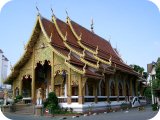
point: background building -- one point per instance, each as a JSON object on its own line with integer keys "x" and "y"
{"x": 3, "y": 69}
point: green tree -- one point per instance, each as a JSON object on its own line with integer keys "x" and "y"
{"x": 156, "y": 82}
{"x": 147, "y": 92}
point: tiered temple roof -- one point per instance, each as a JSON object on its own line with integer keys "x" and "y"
{"x": 83, "y": 51}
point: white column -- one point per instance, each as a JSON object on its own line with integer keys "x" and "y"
{"x": 65, "y": 90}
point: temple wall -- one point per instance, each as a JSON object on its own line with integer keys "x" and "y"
{"x": 42, "y": 50}
{"x": 75, "y": 77}
{"x": 27, "y": 68}
{"x": 59, "y": 63}
{"x": 41, "y": 54}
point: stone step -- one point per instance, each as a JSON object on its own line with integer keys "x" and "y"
{"x": 24, "y": 109}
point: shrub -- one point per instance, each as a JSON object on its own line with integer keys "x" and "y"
{"x": 124, "y": 106}
{"x": 155, "y": 107}
{"x": 18, "y": 98}
{"x": 51, "y": 103}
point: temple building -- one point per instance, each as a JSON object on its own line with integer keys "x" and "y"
{"x": 78, "y": 65}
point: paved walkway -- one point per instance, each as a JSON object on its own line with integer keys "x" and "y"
{"x": 131, "y": 114}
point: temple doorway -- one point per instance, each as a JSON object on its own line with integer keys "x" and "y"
{"x": 43, "y": 77}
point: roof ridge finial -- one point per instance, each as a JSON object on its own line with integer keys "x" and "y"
{"x": 109, "y": 39}
{"x": 53, "y": 12}
{"x": 92, "y": 27}
{"x": 24, "y": 46}
{"x": 11, "y": 67}
{"x": 67, "y": 13}
{"x": 37, "y": 9}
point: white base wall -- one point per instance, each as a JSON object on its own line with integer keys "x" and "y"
{"x": 81, "y": 108}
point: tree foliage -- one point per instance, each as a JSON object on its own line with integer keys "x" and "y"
{"x": 140, "y": 70}
{"x": 156, "y": 82}
{"x": 158, "y": 69}
{"x": 137, "y": 68}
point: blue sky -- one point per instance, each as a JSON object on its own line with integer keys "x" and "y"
{"x": 132, "y": 25}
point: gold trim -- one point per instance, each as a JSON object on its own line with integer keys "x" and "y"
{"x": 49, "y": 39}
{"x": 65, "y": 38}
{"x": 86, "y": 48}
{"x": 90, "y": 64}
{"x": 73, "y": 50}
{"x": 79, "y": 38}
{"x": 75, "y": 68}
{"x": 54, "y": 50}
{"x": 103, "y": 61}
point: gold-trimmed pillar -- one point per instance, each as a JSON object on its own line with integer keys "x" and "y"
{"x": 33, "y": 76}
{"x": 69, "y": 100}
{"x": 52, "y": 73}
{"x": 20, "y": 87}
{"x": 80, "y": 91}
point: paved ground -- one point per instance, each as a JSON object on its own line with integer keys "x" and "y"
{"x": 132, "y": 114}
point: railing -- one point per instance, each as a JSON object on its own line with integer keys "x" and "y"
{"x": 89, "y": 98}
{"x": 74, "y": 98}
{"x": 102, "y": 98}
{"x": 27, "y": 100}
{"x": 62, "y": 99}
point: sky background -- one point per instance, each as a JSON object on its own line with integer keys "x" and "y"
{"x": 131, "y": 25}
